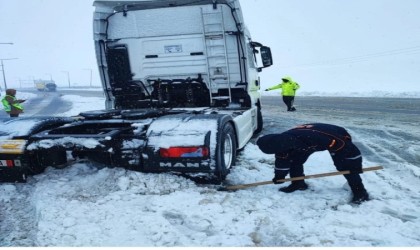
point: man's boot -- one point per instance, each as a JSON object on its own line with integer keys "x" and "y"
{"x": 296, "y": 185}
{"x": 359, "y": 195}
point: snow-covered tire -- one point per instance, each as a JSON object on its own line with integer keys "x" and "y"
{"x": 225, "y": 151}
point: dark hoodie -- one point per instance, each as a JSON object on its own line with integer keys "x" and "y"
{"x": 279, "y": 143}
{"x": 308, "y": 137}
{"x": 11, "y": 92}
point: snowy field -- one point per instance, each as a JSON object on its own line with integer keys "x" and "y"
{"x": 83, "y": 205}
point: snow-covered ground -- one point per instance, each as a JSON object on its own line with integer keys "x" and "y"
{"x": 83, "y": 205}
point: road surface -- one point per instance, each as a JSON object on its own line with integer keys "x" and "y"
{"x": 51, "y": 103}
{"x": 386, "y": 129}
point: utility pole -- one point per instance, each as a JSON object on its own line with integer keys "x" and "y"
{"x": 4, "y": 73}
{"x": 4, "y": 76}
{"x": 68, "y": 77}
{"x": 2, "y": 68}
{"x": 90, "y": 82}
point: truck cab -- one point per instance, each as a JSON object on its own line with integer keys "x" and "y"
{"x": 177, "y": 54}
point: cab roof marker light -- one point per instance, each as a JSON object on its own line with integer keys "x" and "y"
{"x": 12, "y": 146}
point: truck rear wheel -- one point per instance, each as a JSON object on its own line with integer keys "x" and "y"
{"x": 225, "y": 151}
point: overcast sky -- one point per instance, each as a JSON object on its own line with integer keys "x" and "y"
{"x": 325, "y": 45}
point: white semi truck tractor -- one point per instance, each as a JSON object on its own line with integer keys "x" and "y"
{"x": 181, "y": 84}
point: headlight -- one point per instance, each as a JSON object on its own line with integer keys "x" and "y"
{"x": 12, "y": 146}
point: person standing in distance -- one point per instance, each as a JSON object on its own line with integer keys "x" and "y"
{"x": 288, "y": 90}
{"x": 11, "y": 104}
{"x": 293, "y": 147}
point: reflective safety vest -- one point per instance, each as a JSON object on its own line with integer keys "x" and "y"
{"x": 287, "y": 88}
{"x": 8, "y": 106}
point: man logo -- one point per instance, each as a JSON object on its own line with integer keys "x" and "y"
{"x": 178, "y": 165}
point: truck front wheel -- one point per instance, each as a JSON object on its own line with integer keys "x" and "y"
{"x": 225, "y": 151}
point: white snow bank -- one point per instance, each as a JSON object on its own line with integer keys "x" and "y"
{"x": 87, "y": 206}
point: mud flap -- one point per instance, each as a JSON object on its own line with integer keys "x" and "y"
{"x": 48, "y": 158}
{"x": 12, "y": 175}
{"x": 11, "y": 170}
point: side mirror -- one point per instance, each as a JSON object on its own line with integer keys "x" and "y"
{"x": 266, "y": 57}
{"x": 265, "y": 52}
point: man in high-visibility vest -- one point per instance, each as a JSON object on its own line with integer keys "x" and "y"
{"x": 288, "y": 87}
{"x": 11, "y": 104}
{"x": 293, "y": 147}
